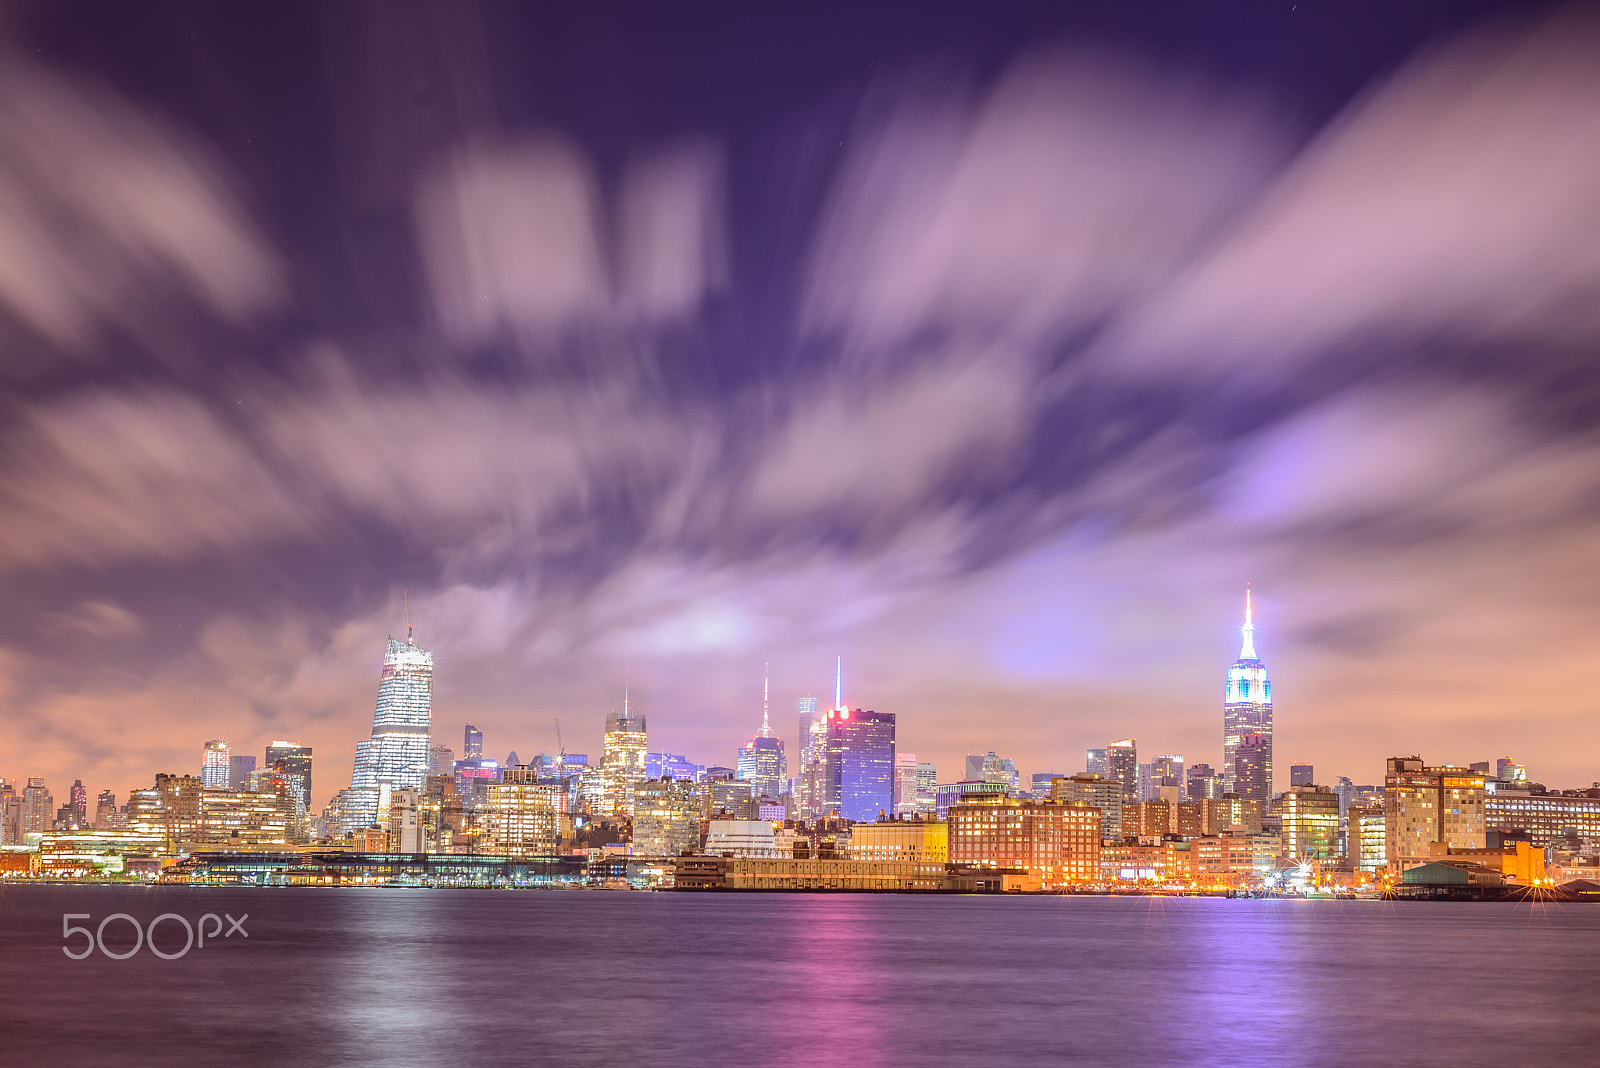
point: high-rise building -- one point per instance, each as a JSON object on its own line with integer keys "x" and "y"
{"x": 38, "y": 806}
{"x": 1252, "y": 767}
{"x": 1166, "y": 770}
{"x": 1122, "y": 759}
{"x": 214, "y": 766}
{"x": 622, "y": 764}
{"x": 762, "y": 760}
{"x": 292, "y": 758}
{"x": 1095, "y": 763}
{"x": 1310, "y": 821}
{"x": 992, "y": 769}
{"x": 808, "y": 757}
{"x": 396, "y": 756}
{"x": 1302, "y": 775}
{"x": 1089, "y": 788}
{"x": 666, "y": 817}
{"x": 1424, "y": 807}
{"x": 105, "y": 810}
{"x": 1247, "y": 709}
{"x": 1366, "y": 843}
{"x": 79, "y": 803}
{"x": 1508, "y": 770}
{"x": 472, "y": 744}
{"x": 927, "y": 787}
{"x": 905, "y": 784}
{"x": 523, "y": 816}
{"x": 441, "y": 760}
{"x": 1203, "y": 782}
{"x": 240, "y": 765}
{"x": 858, "y": 776}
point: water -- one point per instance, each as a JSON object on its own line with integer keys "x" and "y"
{"x": 431, "y": 977}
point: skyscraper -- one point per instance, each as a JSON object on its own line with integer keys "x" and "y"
{"x": 291, "y": 758}
{"x": 396, "y": 756}
{"x": 38, "y": 806}
{"x": 1247, "y": 708}
{"x": 240, "y": 765}
{"x": 79, "y": 803}
{"x": 905, "y": 784}
{"x": 472, "y": 744}
{"x": 762, "y": 761}
{"x": 1252, "y": 767}
{"x": 808, "y": 757}
{"x": 1302, "y": 775}
{"x": 858, "y": 779}
{"x": 1095, "y": 763}
{"x": 622, "y": 763}
{"x": 214, "y": 767}
{"x": 1122, "y": 760}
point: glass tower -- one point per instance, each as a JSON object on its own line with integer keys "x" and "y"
{"x": 214, "y": 768}
{"x": 1122, "y": 760}
{"x": 396, "y": 755}
{"x": 1247, "y": 709}
{"x": 858, "y": 773}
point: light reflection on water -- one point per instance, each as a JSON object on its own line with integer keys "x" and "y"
{"x": 402, "y": 977}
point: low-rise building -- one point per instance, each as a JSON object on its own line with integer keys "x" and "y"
{"x": 911, "y": 840}
{"x": 1057, "y": 843}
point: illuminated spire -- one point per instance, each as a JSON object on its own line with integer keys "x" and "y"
{"x": 838, "y": 683}
{"x": 1248, "y": 650}
{"x": 766, "y": 692}
{"x": 405, "y": 599}
{"x": 624, "y": 691}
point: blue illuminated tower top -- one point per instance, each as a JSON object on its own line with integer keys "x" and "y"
{"x": 1247, "y": 709}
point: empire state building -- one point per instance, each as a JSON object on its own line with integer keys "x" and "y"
{"x": 1247, "y": 716}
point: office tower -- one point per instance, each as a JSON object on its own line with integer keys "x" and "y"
{"x": 1302, "y": 775}
{"x": 1203, "y": 782}
{"x": 726, "y": 796}
{"x": 396, "y": 757}
{"x": 1056, "y": 844}
{"x": 240, "y": 765}
{"x": 105, "y": 810}
{"x": 1310, "y": 820}
{"x": 472, "y": 744}
{"x": 666, "y": 817}
{"x": 1096, "y": 791}
{"x": 523, "y": 816}
{"x": 762, "y": 761}
{"x": 79, "y": 803}
{"x": 1167, "y": 770}
{"x": 622, "y": 764}
{"x": 1122, "y": 759}
{"x": 441, "y": 760}
{"x": 1247, "y": 708}
{"x": 38, "y": 806}
{"x": 10, "y": 815}
{"x": 808, "y": 759}
{"x": 214, "y": 765}
{"x": 1095, "y": 763}
{"x": 1366, "y": 841}
{"x": 1425, "y": 807}
{"x": 858, "y": 777}
{"x": 927, "y": 787}
{"x": 1252, "y": 767}
{"x": 1508, "y": 770}
{"x": 292, "y": 758}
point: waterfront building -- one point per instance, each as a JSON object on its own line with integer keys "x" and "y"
{"x": 666, "y": 817}
{"x": 522, "y": 816}
{"x": 240, "y": 765}
{"x": 1088, "y": 788}
{"x": 1511, "y": 805}
{"x": 1302, "y": 775}
{"x": 214, "y": 764}
{"x": 1252, "y": 767}
{"x": 622, "y": 763}
{"x": 38, "y": 807}
{"x": 1247, "y": 710}
{"x": 405, "y": 829}
{"x": 1222, "y": 860}
{"x": 1122, "y": 762}
{"x": 1423, "y": 806}
{"x": 171, "y": 809}
{"x": 755, "y": 873}
{"x": 1057, "y": 844}
{"x": 1367, "y": 840}
{"x": 1309, "y": 817}
{"x": 858, "y": 772}
{"x": 240, "y": 819}
{"x": 740, "y": 838}
{"x": 1095, "y": 762}
{"x": 396, "y": 756}
{"x": 762, "y": 761}
{"x": 908, "y": 840}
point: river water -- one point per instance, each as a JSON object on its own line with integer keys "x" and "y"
{"x": 469, "y": 978}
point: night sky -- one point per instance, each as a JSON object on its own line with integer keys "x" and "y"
{"x": 993, "y": 350}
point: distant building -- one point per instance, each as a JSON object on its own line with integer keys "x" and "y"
{"x": 523, "y": 816}
{"x": 1090, "y": 789}
{"x": 724, "y": 795}
{"x": 1252, "y": 767}
{"x": 948, "y": 794}
{"x": 1096, "y": 763}
{"x": 812, "y": 748}
{"x": 1056, "y": 844}
{"x": 214, "y": 765}
{"x": 740, "y": 838}
{"x": 1302, "y": 775}
{"x": 671, "y": 765}
{"x": 1230, "y": 814}
{"x": 1247, "y": 710}
{"x": 927, "y": 787}
{"x": 396, "y": 756}
{"x": 1367, "y": 839}
{"x": 911, "y": 840}
{"x": 243, "y": 820}
{"x": 859, "y": 769}
{"x": 1508, "y": 770}
{"x": 622, "y": 764}
{"x": 1167, "y": 770}
{"x": 1423, "y": 806}
{"x": 441, "y": 760}
{"x": 666, "y": 817}
{"x": 906, "y": 795}
{"x": 762, "y": 761}
{"x": 105, "y": 811}
{"x": 292, "y": 758}
{"x": 471, "y": 743}
{"x": 38, "y": 807}
{"x": 1203, "y": 782}
{"x": 1122, "y": 760}
{"x": 240, "y": 765}
{"x": 991, "y": 768}
{"x": 1310, "y": 822}
{"x": 1039, "y": 783}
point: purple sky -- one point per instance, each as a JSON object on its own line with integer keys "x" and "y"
{"x": 993, "y": 352}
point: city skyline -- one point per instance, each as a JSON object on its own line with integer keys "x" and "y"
{"x": 1011, "y": 446}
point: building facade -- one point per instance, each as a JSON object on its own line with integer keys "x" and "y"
{"x": 911, "y": 840}
{"x": 1059, "y": 844}
{"x": 622, "y": 764}
{"x": 396, "y": 756}
{"x": 1097, "y": 792}
{"x": 858, "y": 771}
{"x": 1122, "y": 764}
{"x": 666, "y": 817}
{"x": 1309, "y": 817}
{"x": 1423, "y": 806}
{"x": 214, "y": 765}
{"x": 1247, "y": 710}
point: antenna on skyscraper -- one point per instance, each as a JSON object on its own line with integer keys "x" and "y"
{"x": 405, "y": 599}
{"x": 766, "y": 693}
{"x": 838, "y": 683}
{"x": 624, "y": 691}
